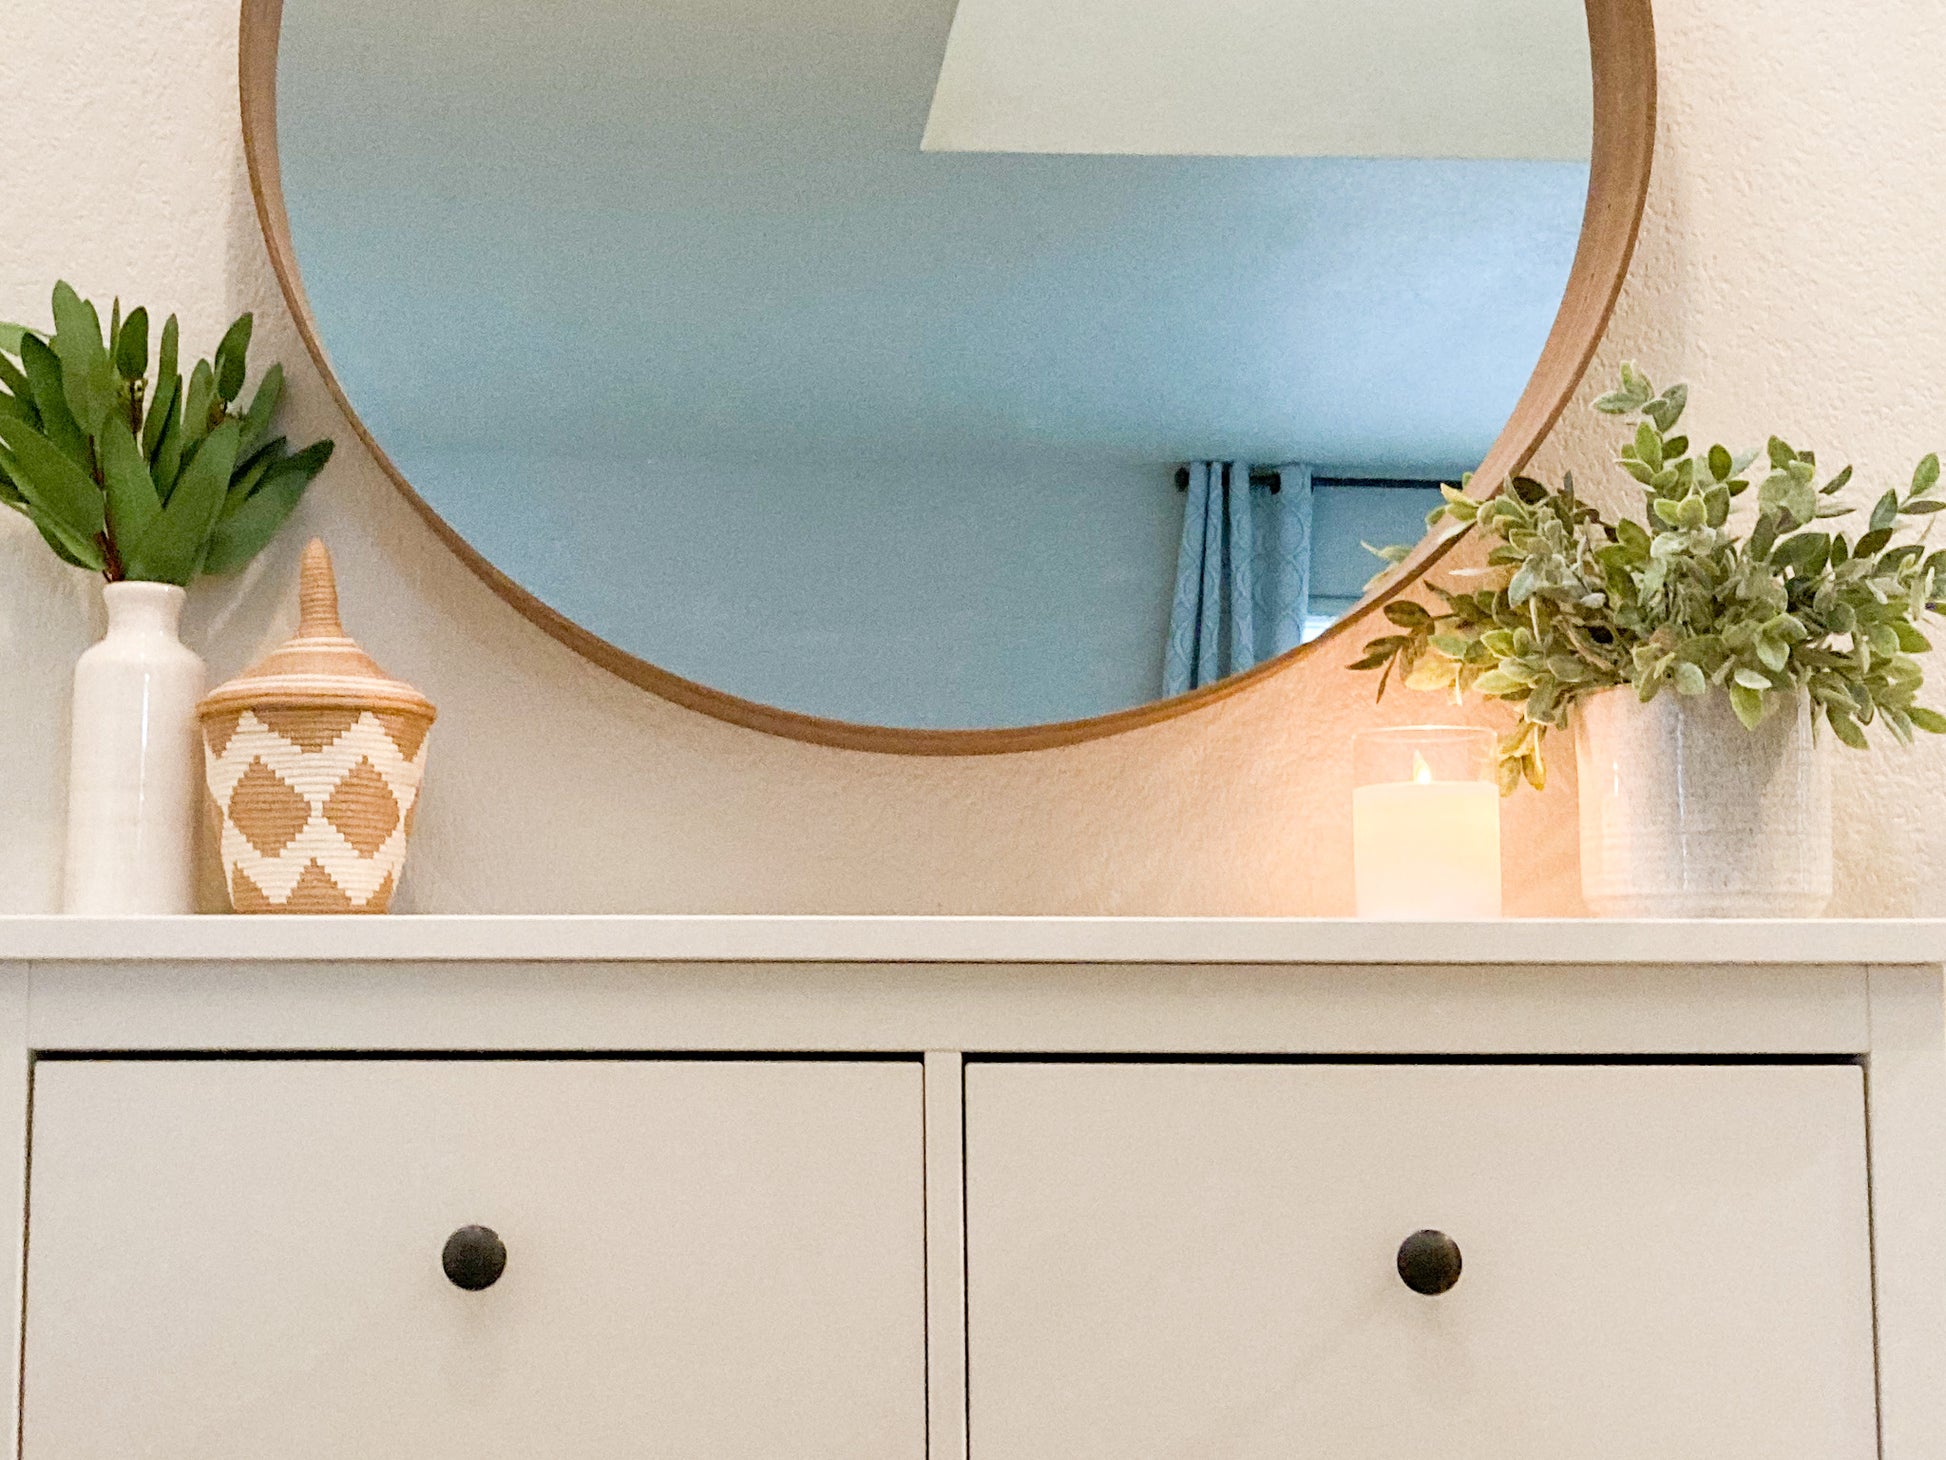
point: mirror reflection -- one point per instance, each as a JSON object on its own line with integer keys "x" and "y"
{"x": 934, "y": 366}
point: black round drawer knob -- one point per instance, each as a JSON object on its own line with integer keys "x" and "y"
{"x": 474, "y": 1258}
{"x": 1429, "y": 1262}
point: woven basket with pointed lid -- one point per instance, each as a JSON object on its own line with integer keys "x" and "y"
{"x": 314, "y": 757}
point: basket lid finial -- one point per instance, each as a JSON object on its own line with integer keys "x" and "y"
{"x": 317, "y": 595}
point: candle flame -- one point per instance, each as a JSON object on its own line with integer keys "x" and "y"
{"x": 1421, "y": 772}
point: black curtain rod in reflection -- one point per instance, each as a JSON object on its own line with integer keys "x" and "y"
{"x": 1269, "y": 476}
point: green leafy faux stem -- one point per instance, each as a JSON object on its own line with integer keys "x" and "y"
{"x": 129, "y": 469}
{"x": 1570, "y": 604}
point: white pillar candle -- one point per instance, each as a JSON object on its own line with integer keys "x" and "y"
{"x": 1426, "y": 848}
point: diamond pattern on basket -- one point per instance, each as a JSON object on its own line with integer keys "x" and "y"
{"x": 315, "y": 806}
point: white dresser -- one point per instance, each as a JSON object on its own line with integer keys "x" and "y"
{"x": 855, "y": 1189}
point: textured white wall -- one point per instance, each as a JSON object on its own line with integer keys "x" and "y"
{"x": 1793, "y": 267}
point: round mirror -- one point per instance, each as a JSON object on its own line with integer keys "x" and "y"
{"x": 935, "y": 376}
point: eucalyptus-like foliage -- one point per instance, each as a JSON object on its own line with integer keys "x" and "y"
{"x": 1571, "y": 604}
{"x": 129, "y": 468}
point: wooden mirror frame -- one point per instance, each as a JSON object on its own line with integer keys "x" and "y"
{"x": 1621, "y": 36}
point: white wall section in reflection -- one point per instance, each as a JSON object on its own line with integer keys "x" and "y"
{"x": 1267, "y": 78}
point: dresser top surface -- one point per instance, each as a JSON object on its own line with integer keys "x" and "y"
{"x": 748, "y": 939}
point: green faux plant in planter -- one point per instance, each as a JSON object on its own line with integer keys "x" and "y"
{"x": 1572, "y": 604}
{"x": 127, "y": 467}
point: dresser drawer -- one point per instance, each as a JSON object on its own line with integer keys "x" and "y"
{"x": 1202, "y": 1260}
{"x": 703, "y": 1259}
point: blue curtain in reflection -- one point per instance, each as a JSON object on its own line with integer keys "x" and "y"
{"x": 1243, "y": 573}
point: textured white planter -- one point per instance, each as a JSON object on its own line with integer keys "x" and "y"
{"x": 1684, "y": 813}
{"x": 135, "y": 780}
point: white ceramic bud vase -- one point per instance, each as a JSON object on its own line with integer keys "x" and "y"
{"x": 135, "y": 776}
{"x": 1686, "y": 814}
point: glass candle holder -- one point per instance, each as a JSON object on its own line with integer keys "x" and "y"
{"x": 1425, "y": 823}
